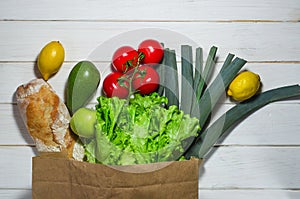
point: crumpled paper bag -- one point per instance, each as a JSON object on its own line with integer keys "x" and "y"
{"x": 58, "y": 177}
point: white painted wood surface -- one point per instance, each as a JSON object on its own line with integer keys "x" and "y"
{"x": 259, "y": 158}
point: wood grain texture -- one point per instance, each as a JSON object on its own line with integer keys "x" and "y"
{"x": 259, "y": 158}
{"x": 207, "y": 194}
{"x": 251, "y": 41}
{"x": 15, "y": 193}
{"x": 272, "y": 75}
{"x": 252, "y": 167}
{"x": 249, "y": 194}
{"x": 154, "y": 10}
{"x": 239, "y": 167}
{"x": 275, "y": 124}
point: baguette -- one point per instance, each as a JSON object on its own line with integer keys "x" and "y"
{"x": 47, "y": 119}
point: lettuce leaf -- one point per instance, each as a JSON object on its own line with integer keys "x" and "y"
{"x": 140, "y": 130}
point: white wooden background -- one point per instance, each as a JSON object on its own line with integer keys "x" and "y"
{"x": 258, "y": 159}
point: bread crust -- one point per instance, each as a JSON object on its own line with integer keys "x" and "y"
{"x": 47, "y": 119}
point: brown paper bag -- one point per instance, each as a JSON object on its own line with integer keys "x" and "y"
{"x": 57, "y": 177}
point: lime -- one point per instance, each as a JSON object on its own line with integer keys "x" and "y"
{"x": 83, "y": 122}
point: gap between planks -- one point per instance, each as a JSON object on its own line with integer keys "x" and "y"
{"x": 259, "y": 145}
{"x": 158, "y": 21}
{"x": 248, "y": 189}
{"x": 215, "y": 146}
{"x": 178, "y": 62}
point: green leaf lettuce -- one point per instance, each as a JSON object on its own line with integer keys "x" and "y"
{"x": 140, "y": 130}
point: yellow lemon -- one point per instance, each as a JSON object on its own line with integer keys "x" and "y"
{"x": 50, "y": 59}
{"x": 244, "y": 86}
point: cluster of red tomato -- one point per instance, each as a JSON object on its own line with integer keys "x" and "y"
{"x": 133, "y": 70}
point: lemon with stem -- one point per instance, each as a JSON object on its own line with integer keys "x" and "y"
{"x": 50, "y": 59}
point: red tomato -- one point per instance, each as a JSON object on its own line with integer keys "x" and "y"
{"x": 115, "y": 84}
{"x": 152, "y": 50}
{"x": 125, "y": 58}
{"x": 146, "y": 80}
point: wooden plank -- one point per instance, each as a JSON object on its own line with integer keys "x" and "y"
{"x": 15, "y": 193}
{"x": 15, "y": 132}
{"x": 154, "y": 10}
{"x": 272, "y": 120}
{"x": 23, "y": 73}
{"x": 226, "y": 168}
{"x": 272, "y": 75}
{"x": 252, "y": 167}
{"x": 16, "y": 167}
{"x": 249, "y": 194}
{"x": 260, "y": 156}
{"x": 207, "y": 194}
{"x": 275, "y": 124}
{"x": 251, "y": 41}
